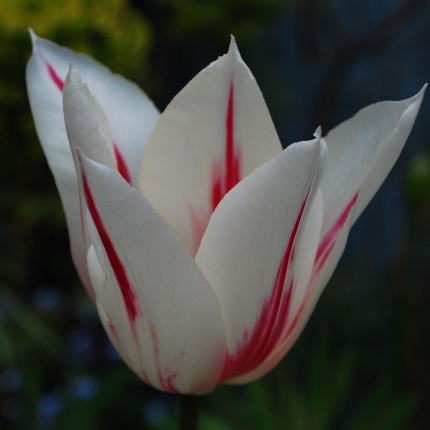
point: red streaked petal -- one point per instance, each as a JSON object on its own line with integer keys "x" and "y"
{"x": 308, "y": 288}
{"x": 130, "y": 114}
{"x": 177, "y": 342}
{"x": 247, "y": 252}
{"x": 362, "y": 151}
{"x": 216, "y": 131}
{"x": 271, "y": 321}
{"x": 127, "y": 290}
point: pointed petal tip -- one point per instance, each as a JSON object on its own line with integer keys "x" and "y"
{"x": 74, "y": 74}
{"x": 320, "y": 146}
{"x": 233, "y": 48}
{"x": 33, "y": 36}
{"x": 415, "y": 101}
{"x": 422, "y": 91}
{"x": 319, "y": 142}
{"x": 418, "y": 97}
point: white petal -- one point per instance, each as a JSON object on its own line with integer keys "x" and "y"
{"x": 131, "y": 115}
{"x": 47, "y": 108}
{"x": 362, "y": 152}
{"x": 86, "y": 124}
{"x": 161, "y": 312}
{"x": 249, "y": 251}
{"x": 216, "y": 131}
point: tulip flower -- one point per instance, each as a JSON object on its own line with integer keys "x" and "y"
{"x": 204, "y": 245}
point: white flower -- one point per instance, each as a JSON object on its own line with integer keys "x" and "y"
{"x": 204, "y": 245}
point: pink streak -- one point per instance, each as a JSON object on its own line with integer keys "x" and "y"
{"x": 329, "y": 240}
{"x": 121, "y": 164}
{"x": 324, "y": 250}
{"x": 59, "y": 83}
{"x": 224, "y": 179}
{"x": 120, "y": 160}
{"x": 225, "y": 175}
{"x": 255, "y": 348}
{"x": 128, "y": 294}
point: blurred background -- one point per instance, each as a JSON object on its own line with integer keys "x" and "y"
{"x": 363, "y": 360}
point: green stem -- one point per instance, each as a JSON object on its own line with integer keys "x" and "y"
{"x": 189, "y": 412}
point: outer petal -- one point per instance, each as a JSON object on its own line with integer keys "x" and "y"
{"x": 362, "y": 151}
{"x": 154, "y": 301}
{"x": 216, "y": 131}
{"x": 130, "y": 114}
{"x": 249, "y": 251}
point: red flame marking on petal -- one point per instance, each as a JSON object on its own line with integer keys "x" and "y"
{"x": 121, "y": 164}
{"x": 329, "y": 240}
{"x": 223, "y": 180}
{"x": 128, "y": 294}
{"x": 225, "y": 175}
{"x": 324, "y": 250}
{"x": 59, "y": 83}
{"x": 255, "y": 348}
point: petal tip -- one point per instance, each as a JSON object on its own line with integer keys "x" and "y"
{"x": 418, "y": 97}
{"x": 423, "y": 90}
{"x": 34, "y": 37}
{"x": 73, "y": 74}
{"x": 233, "y": 49}
{"x": 232, "y": 42}
{"x": 416, "y": 100}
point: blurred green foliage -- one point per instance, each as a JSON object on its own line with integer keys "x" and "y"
{"x": 362, "y": 362}
{"x": 418, "y": 180}
{"x": 109, "y": 29}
